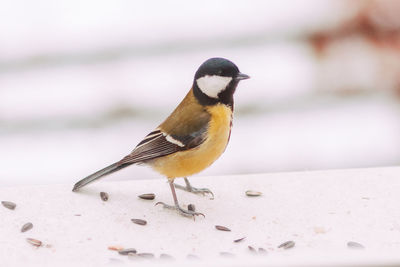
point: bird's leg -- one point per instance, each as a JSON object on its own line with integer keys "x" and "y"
{"x": 194, "y": 190}
{"x": 187, "y": 213}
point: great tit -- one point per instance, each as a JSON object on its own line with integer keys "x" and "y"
{"x": 193, "y": 136}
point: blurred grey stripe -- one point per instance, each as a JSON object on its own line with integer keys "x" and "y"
{"x": 124, "y": 52}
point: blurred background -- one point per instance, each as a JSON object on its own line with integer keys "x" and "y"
{"x": 81, "y": 82}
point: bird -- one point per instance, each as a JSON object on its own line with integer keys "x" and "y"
{"x": 192, "y": 137}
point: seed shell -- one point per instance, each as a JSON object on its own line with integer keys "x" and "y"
{"x": 127, "y": 251}
{"x": 239, "y": 240}
{"x": 165, "y": 256}
{"x": 146, "y": 255}
{"x": 251, "y": 193}
{"x": 287, "y": 245}
{"x": 149, "y": 196}
{"x": 26, "y": 227}
{"x": 34, "y": 242}
{"x": 252, "y": 249}
{"x": 104, "y": 196}
{"x": 116, "y": 248}
{"x": 191, "y": 207}
{"x": 139, "y": 221}
{"x": 9, "y": 205}
{"x": 222, "y": 228}
{"x": 354, "y": 245}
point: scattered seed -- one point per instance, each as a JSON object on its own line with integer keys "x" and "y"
{"x": 127, "y": 251}
{"x": 146, "y": 255}
{"x": 226, "y": 254}
{"x": 262, "y": 251}
{"x": 34, "y": 242}
{"x": 287, "y": 245}
{"x": 222, "y": 228}
{"x": 139, "y": 221}
{"x": 26, "y": 227}
{"x": 9, "y": 205}
{"x": 104, "y": 196}
{"x": 164, "y": 256}
{"x": 354, "y": 245}
{"x": 239, "y": 240}
{"x": 191, "y": 207}
{"x": 116, "y": 248}
{"x": 252, "y": 249}
{"x": 149, "y": 196}
{"x": 251, "y": 193}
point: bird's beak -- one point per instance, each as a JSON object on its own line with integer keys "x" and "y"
{"x": 242, "y": 76}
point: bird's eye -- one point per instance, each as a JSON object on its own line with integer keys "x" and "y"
{"x": 219, "y": 72}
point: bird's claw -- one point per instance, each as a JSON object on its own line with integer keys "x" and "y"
{"x": 202, "y": 191}
{"x": 183, "y": 212}
{"x": 195, "y": 190}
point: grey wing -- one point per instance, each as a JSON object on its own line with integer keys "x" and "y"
{"x": 157, "y": 144}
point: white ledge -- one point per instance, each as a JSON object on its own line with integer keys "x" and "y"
{"x": 320, "y": 211}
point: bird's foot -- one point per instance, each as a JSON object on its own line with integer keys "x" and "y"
{"x": 194, "y": 190}
{"x": 181, "y": 211}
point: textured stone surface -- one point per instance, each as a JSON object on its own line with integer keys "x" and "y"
{"x": 321, "y": 211}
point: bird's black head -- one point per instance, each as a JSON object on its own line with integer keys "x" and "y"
{"x": 216, "y": 80}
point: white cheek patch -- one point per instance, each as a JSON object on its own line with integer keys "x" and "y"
{"x": 213, "y": 85}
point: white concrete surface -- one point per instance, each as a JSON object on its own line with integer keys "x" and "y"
{"x": 321, "y": 211}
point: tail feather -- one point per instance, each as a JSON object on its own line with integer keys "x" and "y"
{"x": 97, "y": 175}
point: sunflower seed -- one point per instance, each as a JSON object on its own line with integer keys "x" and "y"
{"x": 222, "y": 228}
{"x": 287, "y": 245}
{"x": 104, "y": 196}
{"x": 253, "y": 250}
{"x": 146, "y": 255}
{"x": 26, "y": 227}
{"x": 127, "y": 251}
{"x": 251, "y": 193}
{"x": 34, "y": 242}
{"x": 149, "y": 196}
{"x": 354, "y": 245}
{"x": 139, "y": 221}
{"x": 191, "y": 207}
{"x": 9, "y": 205}
{"x": 239, "y": 240}
{"x": 166, "y": 257}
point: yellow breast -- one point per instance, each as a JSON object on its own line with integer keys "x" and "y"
{"x": 186, "y": 163}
